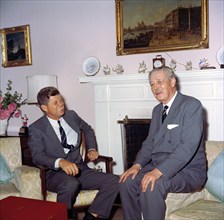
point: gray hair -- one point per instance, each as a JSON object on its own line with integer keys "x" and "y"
{"x": 169, "y": 72}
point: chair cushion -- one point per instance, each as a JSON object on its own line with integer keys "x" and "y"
{"x": 8, "y": 189}
{"x": 202, "y": 209}
{"x": 176, "y": 201}
{"x": 85, "y": 197}
{"x": 215, "y": 183}
{"x": 5, "y": 173}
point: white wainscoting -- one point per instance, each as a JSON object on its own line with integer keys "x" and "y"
{"x": 130, "y": 94}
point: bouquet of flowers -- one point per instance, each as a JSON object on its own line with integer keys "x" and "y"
{"x": 10, "y": 103}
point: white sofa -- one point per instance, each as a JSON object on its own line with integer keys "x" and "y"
{"x": 199, "y": 205}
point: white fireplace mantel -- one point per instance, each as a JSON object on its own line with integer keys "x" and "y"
{"x": 129, "y": 94}
{"x": 216, "y": 74}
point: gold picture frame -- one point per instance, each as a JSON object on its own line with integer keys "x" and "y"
{"x": 160, "y": 26}
{"x": 16, "y": 47}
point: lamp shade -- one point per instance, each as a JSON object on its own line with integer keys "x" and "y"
{"x": 36, "y": 82}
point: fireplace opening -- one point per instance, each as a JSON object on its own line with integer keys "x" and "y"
{"x": 133, "y": 133}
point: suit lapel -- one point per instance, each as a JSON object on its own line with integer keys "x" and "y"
{"x": 54, "y": 139}
{"x": 175, "y": 107}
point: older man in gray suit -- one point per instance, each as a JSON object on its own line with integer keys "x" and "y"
{"x": 172, "y": 158}
{"x": 55, "y": 143}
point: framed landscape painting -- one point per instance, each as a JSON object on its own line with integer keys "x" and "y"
{"x": 16, "y": 48}
{"x": 147, "y": 26}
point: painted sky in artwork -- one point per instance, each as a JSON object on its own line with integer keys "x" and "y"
{"x": 18, "y": 39}
{"x": 151, "y": 11}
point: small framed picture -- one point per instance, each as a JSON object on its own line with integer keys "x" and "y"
{"x": 16, "y": 47}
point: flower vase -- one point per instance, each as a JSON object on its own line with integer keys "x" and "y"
{"x": 3, "y": 126}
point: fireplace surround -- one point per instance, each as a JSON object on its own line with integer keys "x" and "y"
{"x": 133, "y": 133}
{"x": 129, "y": 94}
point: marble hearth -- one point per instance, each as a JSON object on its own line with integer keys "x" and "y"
{"x": 129, "y": 94}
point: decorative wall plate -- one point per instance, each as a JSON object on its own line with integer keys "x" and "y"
{"x": 220, "y": 56}
{"x": 91, "y": 66}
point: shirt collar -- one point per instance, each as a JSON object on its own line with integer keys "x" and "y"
{"x": 170, "y": 102}
{"x": 54, "y": 122}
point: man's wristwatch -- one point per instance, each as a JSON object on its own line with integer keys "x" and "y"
{"x": 140, "y": 167}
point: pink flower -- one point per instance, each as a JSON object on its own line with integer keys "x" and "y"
{"x": 17, "y": 113}
{"x": 4, "y": 114}
{"x": 10, "y": 103}
{"x": 12, "y": 107}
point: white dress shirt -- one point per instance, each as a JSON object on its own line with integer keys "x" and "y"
{"x": 71, "y": 135}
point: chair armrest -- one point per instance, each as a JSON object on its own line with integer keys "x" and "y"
{"x": 43, "y": 171}
{"x": 28, "y": 181}
{"x": 105, "y": 159}
{"x": 108, "y": 162}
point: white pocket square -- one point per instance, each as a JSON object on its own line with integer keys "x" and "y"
{"x": 171, "y": 126}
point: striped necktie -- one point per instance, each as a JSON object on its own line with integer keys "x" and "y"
{"x": 164, "y": 113}
{"x": 63, "y": 137}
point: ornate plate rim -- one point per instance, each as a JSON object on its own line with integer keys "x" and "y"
{"x": 87, "y": 62}
{"x": 220, "y": 53}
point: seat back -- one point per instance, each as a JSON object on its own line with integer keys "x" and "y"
{"x": 83, "y": 147}
{"x": 11, "y": 150}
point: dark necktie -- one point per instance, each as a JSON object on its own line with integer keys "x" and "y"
{"x": 164, "y": 113}
{"x": 63, "y": 137}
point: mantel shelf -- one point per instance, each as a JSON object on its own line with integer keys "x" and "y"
{"x": 214, "y": 74}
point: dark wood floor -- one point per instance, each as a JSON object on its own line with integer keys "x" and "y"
{"x": 116, "y": 214}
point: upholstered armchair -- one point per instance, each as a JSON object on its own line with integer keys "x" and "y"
{"x": 17, "y": 179}
{"x": 85, "y": 197}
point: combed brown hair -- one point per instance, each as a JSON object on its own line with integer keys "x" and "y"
{"x": 44, "y": 95}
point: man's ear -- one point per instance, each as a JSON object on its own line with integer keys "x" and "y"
{"x": 173, "y": 82}
{"x": 43, "y": 108}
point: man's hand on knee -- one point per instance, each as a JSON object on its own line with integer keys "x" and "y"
{"x": 69, "y": 167}
{"x": 150, "y": 177}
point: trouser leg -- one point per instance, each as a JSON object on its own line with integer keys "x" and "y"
{"x": 67, "y": 187}
{"x": 135, "y": 202}
{"x": 107, "y": 184}
{"x": 129, "y": 193}
{"x": 153, "y": 202}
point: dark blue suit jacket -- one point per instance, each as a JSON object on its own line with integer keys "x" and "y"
{"x": 46, "y": 147}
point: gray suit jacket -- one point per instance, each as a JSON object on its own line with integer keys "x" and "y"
{"x": 177, "y": 145}
{"x": 46, "y": 147}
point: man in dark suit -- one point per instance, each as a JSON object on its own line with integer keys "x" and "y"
{"x": 59, "y": 150}
{"x": 172, "y": 158}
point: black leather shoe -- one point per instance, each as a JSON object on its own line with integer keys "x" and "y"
{"x": 89, "y": 216}
{"x": 71, "y": 215}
